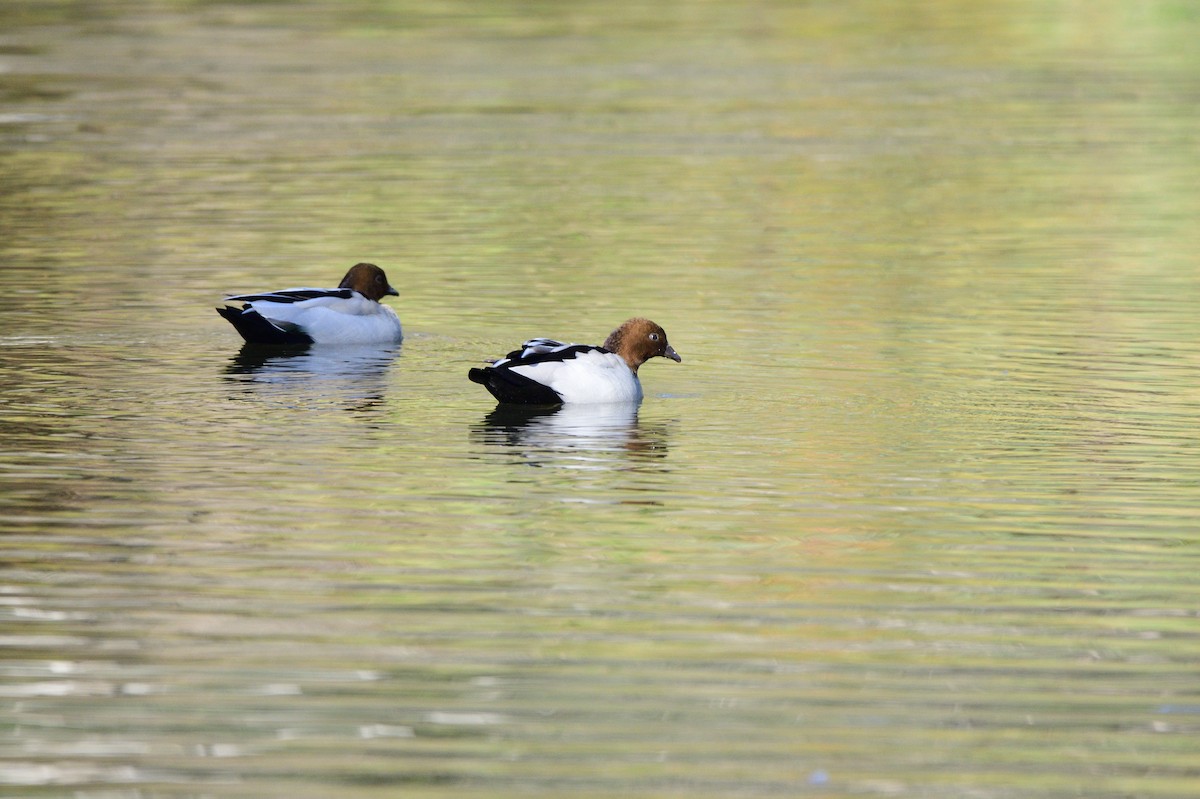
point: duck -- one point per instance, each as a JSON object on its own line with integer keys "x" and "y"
{"x": 349, "y": 314}
{"x": 545, "y": 371}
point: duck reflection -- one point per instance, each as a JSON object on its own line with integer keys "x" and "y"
{"x": 578, "y": 436}
{"x": 353, "y": 376}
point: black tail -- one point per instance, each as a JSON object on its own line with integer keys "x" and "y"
{"x": 513, "y": 389}
{"x": 257, "y": 330}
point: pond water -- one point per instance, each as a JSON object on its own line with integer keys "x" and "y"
{"x": 916, "y": 515}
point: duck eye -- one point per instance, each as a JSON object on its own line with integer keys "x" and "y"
{"x": 654, "y": 337}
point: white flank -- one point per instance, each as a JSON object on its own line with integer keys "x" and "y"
{"x": 591, "y": 377}
{"x": 333, "y": 320}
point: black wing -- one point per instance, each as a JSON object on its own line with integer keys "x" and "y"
{"x": 514, "y": 389}
{"x": 257, "y": 330}
{"x": 293, "y": 295}
{"x": 564, "y": 352}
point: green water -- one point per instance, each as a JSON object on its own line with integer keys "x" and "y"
{"x": 916, "y": 516}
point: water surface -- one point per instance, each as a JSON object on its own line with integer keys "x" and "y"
{"x": 916, "y": 515}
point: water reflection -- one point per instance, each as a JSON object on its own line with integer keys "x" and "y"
{"x": 352, "y": 377}
{"x": 589, "y": 437}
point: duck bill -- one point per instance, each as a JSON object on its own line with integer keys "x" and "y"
{"x": 672, "y": 354}
{"x": 392, "y": 292}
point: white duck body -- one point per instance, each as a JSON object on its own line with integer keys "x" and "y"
{"x": 577, "y": 372}
{"x": 349, "y": 314}
{"x": 330, "y": 316}
{"x": 549, "y": 372}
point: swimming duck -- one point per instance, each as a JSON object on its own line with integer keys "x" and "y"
{"x": 349, "y": 314}
{"x": 549, "y": 372}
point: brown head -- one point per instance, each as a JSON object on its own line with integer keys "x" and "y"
{"x": 369, "y": 281}
{"x": 639, "y": 340}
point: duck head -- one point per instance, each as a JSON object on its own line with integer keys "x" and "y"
{"x": 638, "y": 340}
{"x": 369, "y": 281}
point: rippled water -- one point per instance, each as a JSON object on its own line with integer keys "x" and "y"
{"x": 916, "y": 516}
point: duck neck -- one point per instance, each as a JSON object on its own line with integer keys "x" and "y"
{"x": 615, "y": 343}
